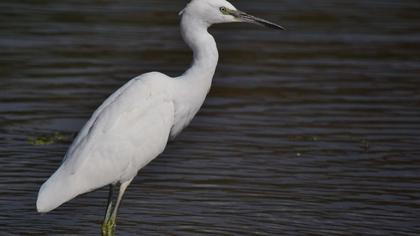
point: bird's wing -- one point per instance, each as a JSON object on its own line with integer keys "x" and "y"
{"x": 129, "y": 130}
{"x": 113, "y": 97}
{"x": 124, "y": 124}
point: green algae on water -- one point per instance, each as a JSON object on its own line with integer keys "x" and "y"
{"x": 47, "y": 139}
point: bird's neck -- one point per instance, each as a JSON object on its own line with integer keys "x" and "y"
{"x": 192, "y": 87}
{"x": 205, "y": 54}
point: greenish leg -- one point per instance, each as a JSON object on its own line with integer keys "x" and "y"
{"x": 105, "y": 225}
{"x": 108, "y": 226}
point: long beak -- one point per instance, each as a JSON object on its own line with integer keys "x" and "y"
{"x": 244, "y": 17}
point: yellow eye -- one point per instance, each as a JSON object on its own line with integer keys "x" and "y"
{"x": 223, "y": 10}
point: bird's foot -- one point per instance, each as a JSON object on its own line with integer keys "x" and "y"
{"x": 108, "y": 228}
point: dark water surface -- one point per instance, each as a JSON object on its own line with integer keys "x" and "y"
{"x": 313, "y": 131}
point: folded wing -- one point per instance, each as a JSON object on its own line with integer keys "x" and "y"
{"x": 125, "y": 133}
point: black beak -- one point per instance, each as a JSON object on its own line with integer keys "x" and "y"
{"x": 244, "y": 17}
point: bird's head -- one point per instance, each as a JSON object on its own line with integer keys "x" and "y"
{"x": 220, "y": 11}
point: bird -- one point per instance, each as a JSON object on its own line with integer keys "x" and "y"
{"x": 134, "y": 124}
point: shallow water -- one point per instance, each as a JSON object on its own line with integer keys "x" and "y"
{"x": 313, "y": 131}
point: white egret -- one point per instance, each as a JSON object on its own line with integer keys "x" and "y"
{"x": 133, "y": 125}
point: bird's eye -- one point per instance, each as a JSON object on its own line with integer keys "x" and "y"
{"x": 223, "y": 10}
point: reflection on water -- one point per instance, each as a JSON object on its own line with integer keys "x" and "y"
{"x": 313, "y": 131}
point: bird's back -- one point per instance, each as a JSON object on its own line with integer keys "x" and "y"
{"x": 125, "y": 133}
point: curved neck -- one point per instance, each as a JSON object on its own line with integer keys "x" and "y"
{"x": 205, "y": 54}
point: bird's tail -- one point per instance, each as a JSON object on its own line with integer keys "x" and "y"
{"x": 68, "y": 182}
{"x": 54, "y": 192}
{"x": 61, "y": 187}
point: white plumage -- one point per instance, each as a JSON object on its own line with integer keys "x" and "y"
{"x": 120, "y": 138}
{"x": 133, "y": 125}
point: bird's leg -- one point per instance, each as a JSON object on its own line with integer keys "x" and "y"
{"x": 123, "y": 187}
{"x": 108, "y": 228}
{"x": 108, "y": 210}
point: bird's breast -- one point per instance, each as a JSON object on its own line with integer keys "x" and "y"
{"x": 191, "y": 91}
{"x": 185, "y": 110}
{"x": 183, "y": 116}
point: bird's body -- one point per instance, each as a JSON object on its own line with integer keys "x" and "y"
{"x": 133, "y": 125}
{"x": 112, "y": 146}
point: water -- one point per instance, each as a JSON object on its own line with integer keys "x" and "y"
{"x": 313, "y": 131}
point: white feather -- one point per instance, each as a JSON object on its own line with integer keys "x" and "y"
{"x": 125, "y": 133}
